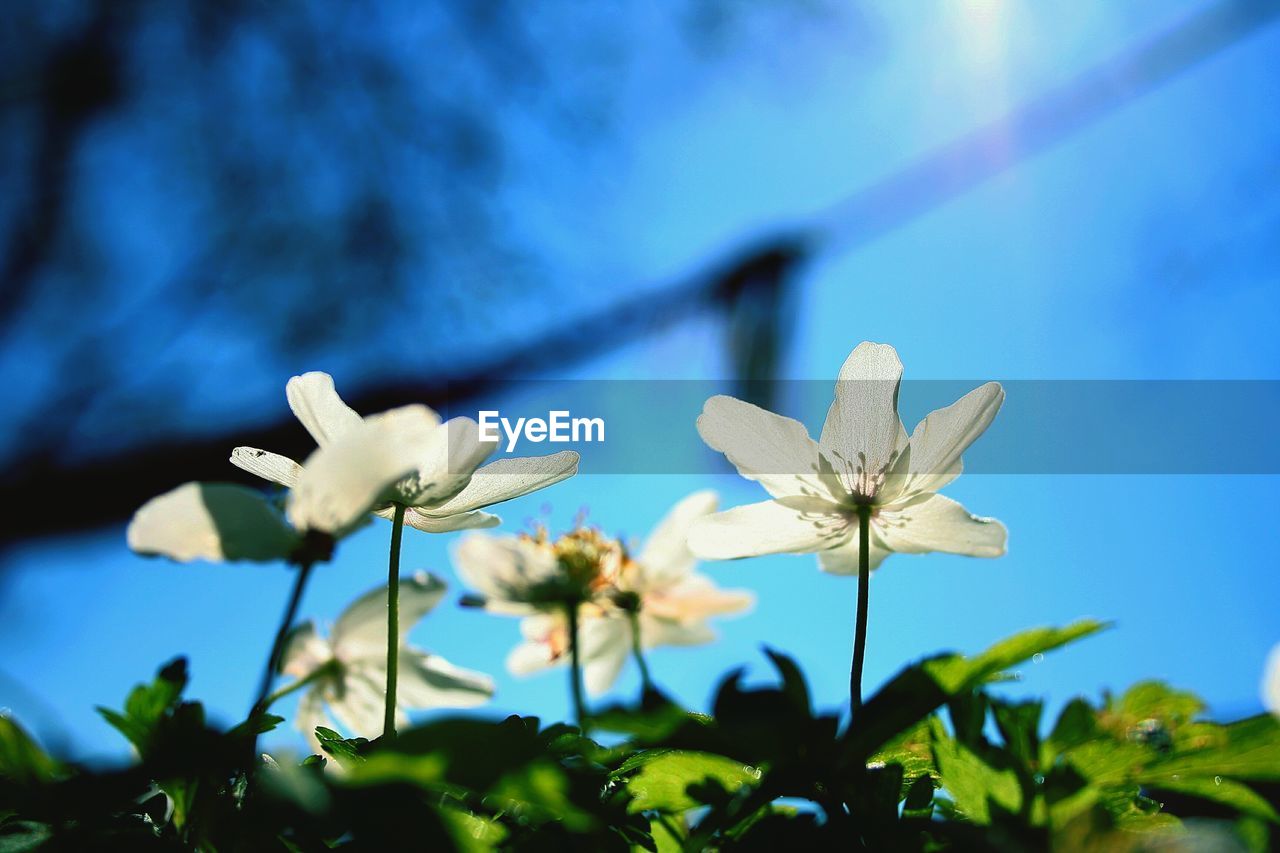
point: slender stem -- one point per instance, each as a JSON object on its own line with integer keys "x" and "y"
{"x": 860, "y": 627}
{"x": 294, "y": 686}
{"x": 646, "y": 683}
{"x": 393, "y": 621}
{"x": 282, "y": 634}
{"x": 575, "y": 666}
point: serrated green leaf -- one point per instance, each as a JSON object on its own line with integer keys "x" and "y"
{"x": 148, "y": 704}
{"x": 955, "y": 674}
{"x": 659, "y": 779}
{"x": 345, "y": 751}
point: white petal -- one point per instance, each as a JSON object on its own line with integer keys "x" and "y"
{"x": 665, "y": 557}
{"x": 474, "y": 520}
{"x": 1271, "y": 682}
{"x": 843, "y": 559}
{"x": 310, "y": 714}
{"x": 941, "y": 438}
{"x": 211, "y": 521}
{"x": 605, "y": 643}
{"x": 794, "y": 525}
{"x": 462, "y": 521}
{"x": 342, "y": 481}
{"x": 695, "y": 598}
{"x": 359, "y": 702}
{"x": 530, "y": 657}
{"x": 430, "y": 681}
{"x": 663, "y": 632}
{"x": 940, "y": 524}
{"x": 304, "y": 651}
{"x": 545, "y": 643}
{"x": 775, "y": 451}
{"x": 316, "y": 404}
{"x": 269, "y": 466}
{"x": 862, "y": 431}
{"x": 361, "y": 630}
{"x": 506, "y": 479}
{"x": 452, "y": 457}
{"x": 503, "y": 569}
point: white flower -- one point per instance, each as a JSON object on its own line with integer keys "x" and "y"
{"x": 332, "y": 495}
{"x": 673, "y": 604}
{"x": 523, "y": 574}
{"x": 347, "y": 673}
{"x": 863, "y": 458}
{"x": 1271, "y": 682}
{"x": 442, "y": 487}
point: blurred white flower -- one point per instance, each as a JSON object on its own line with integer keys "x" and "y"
{"x": 524, "y": 574}
{"x": 863, "y": 458}
{"x": 1271, "y": 682}
{"x": 441, "y": 486}
{"x": 331, "y": 496}
{"x": 671, "y": 603}
{"x": 346, "y": 674}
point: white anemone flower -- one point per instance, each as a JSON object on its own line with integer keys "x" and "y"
{"x": 332, "y": 494}
{"x": 442, "y": 488}
{"x": 521, "y": 575}
{"x": 671, "y": 603}
{"x": 1271, "y": 682}
{"x": 346, "y": 674}
{"x": 864, "y": 458}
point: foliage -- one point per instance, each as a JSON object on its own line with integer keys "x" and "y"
{"x": 937, "y": 759}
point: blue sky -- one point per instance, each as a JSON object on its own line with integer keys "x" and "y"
{"x": 1142, "y": 248}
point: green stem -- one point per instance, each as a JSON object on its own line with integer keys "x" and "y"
{"x": 575, "y": 666}
{"x": 646, "y": 683}
{"x": 860, "y": 627}
{"x": 315, "y": 675}
{"x": 282, "y": 634}
{"x": 393, "y": 621}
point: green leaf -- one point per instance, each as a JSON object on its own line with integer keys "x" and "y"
{"x": 648, "y": 724}
{"x": 659, "y": 779}
{"x": 1235, "y": 795}
{"x": 916, "y": 691}
{"x": 1019, "y": 726}
{"x": 544, "y": 788}
{"x": 1249, "y": 750}
{"x": 913, "y": 751}
{"x": 955, "y": 674}
{"x": 345, "y": 751}
{"x": 919, "y": 799}
{"x": 1076, "y": 724}
{"x": 21, "y": 836}
{"x": 1106, "y": 762}
{"x": 21, "y": 758}
{"x": 972, "y": 783}
{"x": 148, "y": 704}
{"x": 472, "y": 833}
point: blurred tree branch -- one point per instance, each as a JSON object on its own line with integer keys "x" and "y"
{"x": 750, "y": 287}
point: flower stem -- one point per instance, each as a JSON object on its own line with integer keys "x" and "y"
{"x": 575, "y": 666}
{"x": 860, "y": 626}
{"x": 646, "y": 683}
{"x": 393, "y": 621}
{"x": 282, "y": 634}
{"x": 297, "y": 685}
